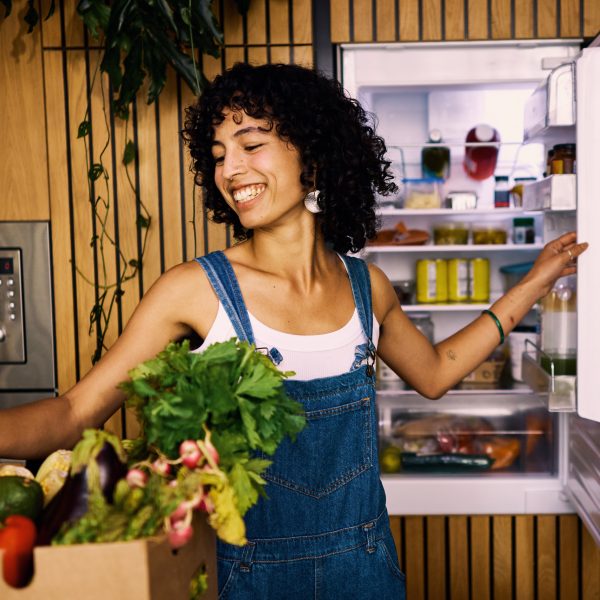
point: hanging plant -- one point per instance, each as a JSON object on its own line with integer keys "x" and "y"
{"x": 139, "y": 39}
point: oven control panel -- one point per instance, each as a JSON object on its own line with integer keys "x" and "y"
{"x": 12, "y": 333}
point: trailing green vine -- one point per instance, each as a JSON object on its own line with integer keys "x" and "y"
{"x": 140, "y": 39}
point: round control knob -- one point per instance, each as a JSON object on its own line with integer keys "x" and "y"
{"x": 2, "y": 335}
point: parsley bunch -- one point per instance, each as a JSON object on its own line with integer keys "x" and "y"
{"x": 230, "y": 390}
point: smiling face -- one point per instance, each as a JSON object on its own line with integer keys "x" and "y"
{"x": 256, "y": 171}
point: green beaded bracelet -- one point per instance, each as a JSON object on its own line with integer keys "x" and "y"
{"x": 497, "y": 321}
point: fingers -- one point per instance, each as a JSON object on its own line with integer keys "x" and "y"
{"x": 572, "y": 251}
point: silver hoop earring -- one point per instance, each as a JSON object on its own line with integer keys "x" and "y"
{"x": 310, "y": 202}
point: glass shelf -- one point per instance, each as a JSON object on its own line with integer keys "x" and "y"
{"x": 385, "y": 211}
{"x": 456, "y": 248}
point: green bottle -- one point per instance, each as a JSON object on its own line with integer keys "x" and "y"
{"x": 435, "y": 159}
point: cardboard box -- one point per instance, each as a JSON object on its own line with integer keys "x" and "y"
{"x": 144, "y": 569}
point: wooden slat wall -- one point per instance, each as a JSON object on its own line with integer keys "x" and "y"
{"x": 542, "y": 557}
{"x": 520, "y": 557}
{"x": 451, "y": 20}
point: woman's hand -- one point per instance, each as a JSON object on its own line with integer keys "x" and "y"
{"x": 557, "y": 259}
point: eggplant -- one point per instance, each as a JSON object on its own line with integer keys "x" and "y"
{"x": 71, "y": 502}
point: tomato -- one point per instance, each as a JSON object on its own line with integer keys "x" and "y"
{"x": 17, "y": 539}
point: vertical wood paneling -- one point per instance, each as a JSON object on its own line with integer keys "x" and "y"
{"x": 386, "y": 21}
{"x": 432, "y": 20}
{"x": 414, "y": 560}
{"x": 477, "y": 19}
{"x": 546, "y": 19}
{"x": 74, "y": 36}
{"x": 279, "y": 22}
{"x": 409, "y": 20}
{"x": 58, "y": 160}
{"x": 458, "y": 549}
{"x": 82, "y": 222}
{"x": 436, "y": 557}
{"x": 303, "y": 55}
{"x": 524, "y": 19}
{"x": 524, "y": 557}
{"x": 257, "y": 23}
{"x": 591, "y": 19}
{"x": 281, "y": 54}
{"x": 454, "y": 19}
{"x": 502, "y": 557}
{"x": 501, "y": 19}
{"x": 302, "y": 22}
{"x": 340, "y": 21}
{"x": 363, "y": 21}
{"x": 590, "y": 559}
{"x": 480, "y": 559}
{"x": 23, "y": 158}
{"x": 170, "y": 174}
{"x": 570, "y": 18}
{"x": 396, "y": 525}
{"x": 546, "y": 572}
{"x": 233, "y": 24}
{"x": 568, "y": 564}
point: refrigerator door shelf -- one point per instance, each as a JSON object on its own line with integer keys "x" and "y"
{"x": 550, "y": 111}
{"x": 558, "y": 390}
{"x": 583, "y": 477}
{"x": 557, "y": 192}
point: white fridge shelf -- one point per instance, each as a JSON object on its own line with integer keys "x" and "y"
{"x": 555, "y": 193}
{"x": 456, "y": 248}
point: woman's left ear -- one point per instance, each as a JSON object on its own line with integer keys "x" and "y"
{"x": 311, "y": 202}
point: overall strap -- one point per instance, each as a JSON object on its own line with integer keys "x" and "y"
{"x": 360, "y": 281}
{"x": 220, "y": 273}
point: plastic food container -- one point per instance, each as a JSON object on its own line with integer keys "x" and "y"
{"x": 422, "y": 193}
{"x": 514, "y": 273}
{"x": 489, "y": 234}
{"x": 450, "y": 233}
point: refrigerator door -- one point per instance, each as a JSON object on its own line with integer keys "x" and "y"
{"x": 588, "y": 223}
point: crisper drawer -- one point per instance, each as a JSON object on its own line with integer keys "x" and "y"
{"x": 473, "y": 434}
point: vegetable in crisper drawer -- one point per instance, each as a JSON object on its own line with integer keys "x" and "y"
{"x": 445, "y": 463}
{"x": 98, "y": 462}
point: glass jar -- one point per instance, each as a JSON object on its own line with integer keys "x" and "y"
{"x": 435, "y": 160}
{"x": 559, "y": 328}
{"x": 422, "y": 321}
{"x": 563, "y": 159}
{"x": 479, "y": 272}
{"x": 523, "y": 230}
{"x": 501, "y": 192}
{"x": 450, "y": 233}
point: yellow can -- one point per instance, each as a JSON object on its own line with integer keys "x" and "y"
{"x": 432, "y": 281}
{"x": 479, "y": 271}
{"x": 458, "y": 280}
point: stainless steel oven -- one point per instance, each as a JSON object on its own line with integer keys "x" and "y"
{"x": 27, "y": 355}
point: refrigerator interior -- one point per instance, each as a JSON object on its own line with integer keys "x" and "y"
{"x": 452, "y": 88}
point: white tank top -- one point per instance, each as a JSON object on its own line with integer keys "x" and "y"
{"x": 309, "y": 356}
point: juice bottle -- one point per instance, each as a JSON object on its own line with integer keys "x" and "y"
{"x": 435, "y": 160}
{"x": 480, "y": 160}
{"x": 559, "y": 328}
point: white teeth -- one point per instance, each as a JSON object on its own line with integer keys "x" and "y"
{"x": 248, "y": 193}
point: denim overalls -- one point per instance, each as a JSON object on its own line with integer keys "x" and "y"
{"x": 323, "y": 531}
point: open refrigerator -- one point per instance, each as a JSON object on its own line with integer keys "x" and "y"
{"x": 540, "y": 431}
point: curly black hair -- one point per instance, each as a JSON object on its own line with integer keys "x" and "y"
{"x": 330, "y": 130}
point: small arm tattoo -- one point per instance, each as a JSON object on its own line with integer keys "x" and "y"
{"x": 451, "y": 354}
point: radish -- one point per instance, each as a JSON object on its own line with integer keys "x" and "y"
{"x": 180, "y": 534}
{"x": 190, "y": 454}
{"x": 179, "y": 513}
{"x": 161, "y": 466}
{"x": 136, "y": 478}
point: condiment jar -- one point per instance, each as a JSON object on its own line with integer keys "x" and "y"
{"x": 563, "y": 160}
{"x": 435, "y": 160}
{"x": 523, "y": 230}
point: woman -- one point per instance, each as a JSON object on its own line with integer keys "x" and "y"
{"x": 293, "y": 165}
